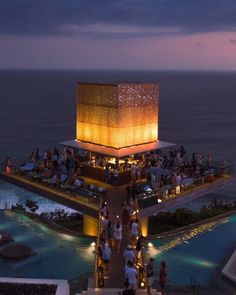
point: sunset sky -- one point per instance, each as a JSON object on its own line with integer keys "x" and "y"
{"x": 118, "y": 34}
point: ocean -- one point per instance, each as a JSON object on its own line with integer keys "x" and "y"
{"x": 197, "y": 109}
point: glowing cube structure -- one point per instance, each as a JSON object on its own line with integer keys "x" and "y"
{"x": 117, "y": 115}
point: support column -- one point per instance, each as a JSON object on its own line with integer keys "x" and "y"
{"x": 90, "y": 225}
{"x": 144, "y": 226}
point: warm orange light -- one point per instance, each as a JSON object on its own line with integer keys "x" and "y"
{"x": 117, "y": 115}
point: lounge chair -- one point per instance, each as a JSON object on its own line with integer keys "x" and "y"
{"x": 54, "y": 179}
{"x": 79, "y": 182}
{"x": 27, "y": 167}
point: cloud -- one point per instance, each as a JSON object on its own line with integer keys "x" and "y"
{"x": 121, "y": 18}
{"x": 233, "y": 41}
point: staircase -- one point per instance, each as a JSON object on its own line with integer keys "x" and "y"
{"x": 113, "y": 291}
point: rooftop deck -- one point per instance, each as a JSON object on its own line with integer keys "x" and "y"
{"x": 88, "y": 205}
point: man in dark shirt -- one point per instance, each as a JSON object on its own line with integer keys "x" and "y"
{"x": 150, "y": 275}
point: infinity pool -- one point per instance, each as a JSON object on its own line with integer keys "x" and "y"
{"x": 225, "y": 194}
{"x": 58, "y": 256}
{"x": 196, "y": 253}
{"x": 11, "y": 194}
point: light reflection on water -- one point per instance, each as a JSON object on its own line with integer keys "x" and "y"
{"x": 58, "y": 255}
{"x": 11, "y": 195}
{"x": 195, "y": 253}
{"x": 186, "y": 237}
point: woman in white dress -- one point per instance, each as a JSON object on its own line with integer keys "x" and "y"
{"x": 117, "y": 234}
{"x": 134, "y": 231}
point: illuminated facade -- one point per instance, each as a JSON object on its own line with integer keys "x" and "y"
{"x": 117, "y": 115}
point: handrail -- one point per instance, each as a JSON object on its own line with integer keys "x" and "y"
{"x": 96, "y": 261}
{"x": 79, "y": 277}
{"x": 76, "y": 285}
{"x": 173, "y": 284}
{"x": 195, "y": 285}
{"x": 142, "y": 274}
{"x": 198, "y": 182}
{"x": 180, "y": 286}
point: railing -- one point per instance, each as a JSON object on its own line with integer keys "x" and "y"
{"x": 98, "y": 266}
{"x": 142, "y": 271}
{"x": 86, "y": 196}
{"x": 79, "y": 284}
{"x": 213, "y": 173}
{"x": 195, "y": 286}
{"x": 173, "y": 288}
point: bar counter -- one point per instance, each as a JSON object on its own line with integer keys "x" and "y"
{"x": 99, "y": 173}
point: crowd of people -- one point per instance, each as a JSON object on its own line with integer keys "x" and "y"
{"x": 54, "y": 163}
{"x": 170, "y": 168}
{"x": 110, "y": 240}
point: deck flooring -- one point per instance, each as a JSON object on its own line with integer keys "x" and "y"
{"x": 115, "y": 197}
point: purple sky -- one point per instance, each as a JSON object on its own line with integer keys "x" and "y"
{"x": 121, "y": 34}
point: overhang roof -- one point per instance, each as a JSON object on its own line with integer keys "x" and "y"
{"x": 118, "y": 153}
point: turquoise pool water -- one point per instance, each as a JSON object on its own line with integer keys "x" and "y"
{"x": 197, "y": 253}
{"x": 11, "y": 194}
{"x": 225, "y": 194}
{"x": 58, "y": 255}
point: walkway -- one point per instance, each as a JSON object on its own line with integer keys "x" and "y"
{"x": 116, "y": 196}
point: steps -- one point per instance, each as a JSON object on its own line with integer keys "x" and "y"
{"x": 113, "y": 291}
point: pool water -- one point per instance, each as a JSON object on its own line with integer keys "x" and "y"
{"x": 58, "y": 256}
{"x": 197, "y": 253}
{"x": 11, "y": 195}
{"x": 225, "y": 194}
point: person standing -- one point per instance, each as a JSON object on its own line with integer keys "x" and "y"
{"x": 133, "y": 170}
{"x": 128, "y": 254}
{"x": 138, "y": 248}
{"x": 150, "y": 275}
{"x": 139, "y": 171}
{"x": 162, "y": 277}
{"x": 134, "y": 231}
{"x": 131, "y": 274}
{"x": 118, "y": 234}
{"x": 125, "y": 214}
{"x": 106, "y": 255}
{"x": 110, "y": 231}
{"x": 45, "y": 159}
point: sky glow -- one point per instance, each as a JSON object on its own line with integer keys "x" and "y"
{"x": 134, "y": 34}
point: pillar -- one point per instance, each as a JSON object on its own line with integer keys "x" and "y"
{"x": 144, "y": 226}
{"x": 90, "y": 225}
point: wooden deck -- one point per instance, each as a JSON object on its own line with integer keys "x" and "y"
{"x": 115, "y": 197}
{"x": 55, "y": 194}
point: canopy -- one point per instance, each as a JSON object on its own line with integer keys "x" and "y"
{"x": 118, "y": 153}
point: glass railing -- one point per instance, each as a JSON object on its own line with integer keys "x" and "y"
{"x": 83, "y": 194}
{"x": 173, "y": 288}
{"x": 98, "y": 264}
{"x": 80, "y": 283}
{"x": 215, "y": 172}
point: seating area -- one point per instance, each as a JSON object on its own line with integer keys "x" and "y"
{"x": 58, "y": 172}
{"x": 147, "y": 195}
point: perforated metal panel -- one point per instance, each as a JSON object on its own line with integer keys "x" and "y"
{"x": 117, "y": 115}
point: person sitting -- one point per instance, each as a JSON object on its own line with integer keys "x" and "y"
{"x": 79, "y": 182}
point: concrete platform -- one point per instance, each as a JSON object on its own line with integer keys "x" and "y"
{"x": 229, "y": 271}
{"x": 177, "y": 201}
